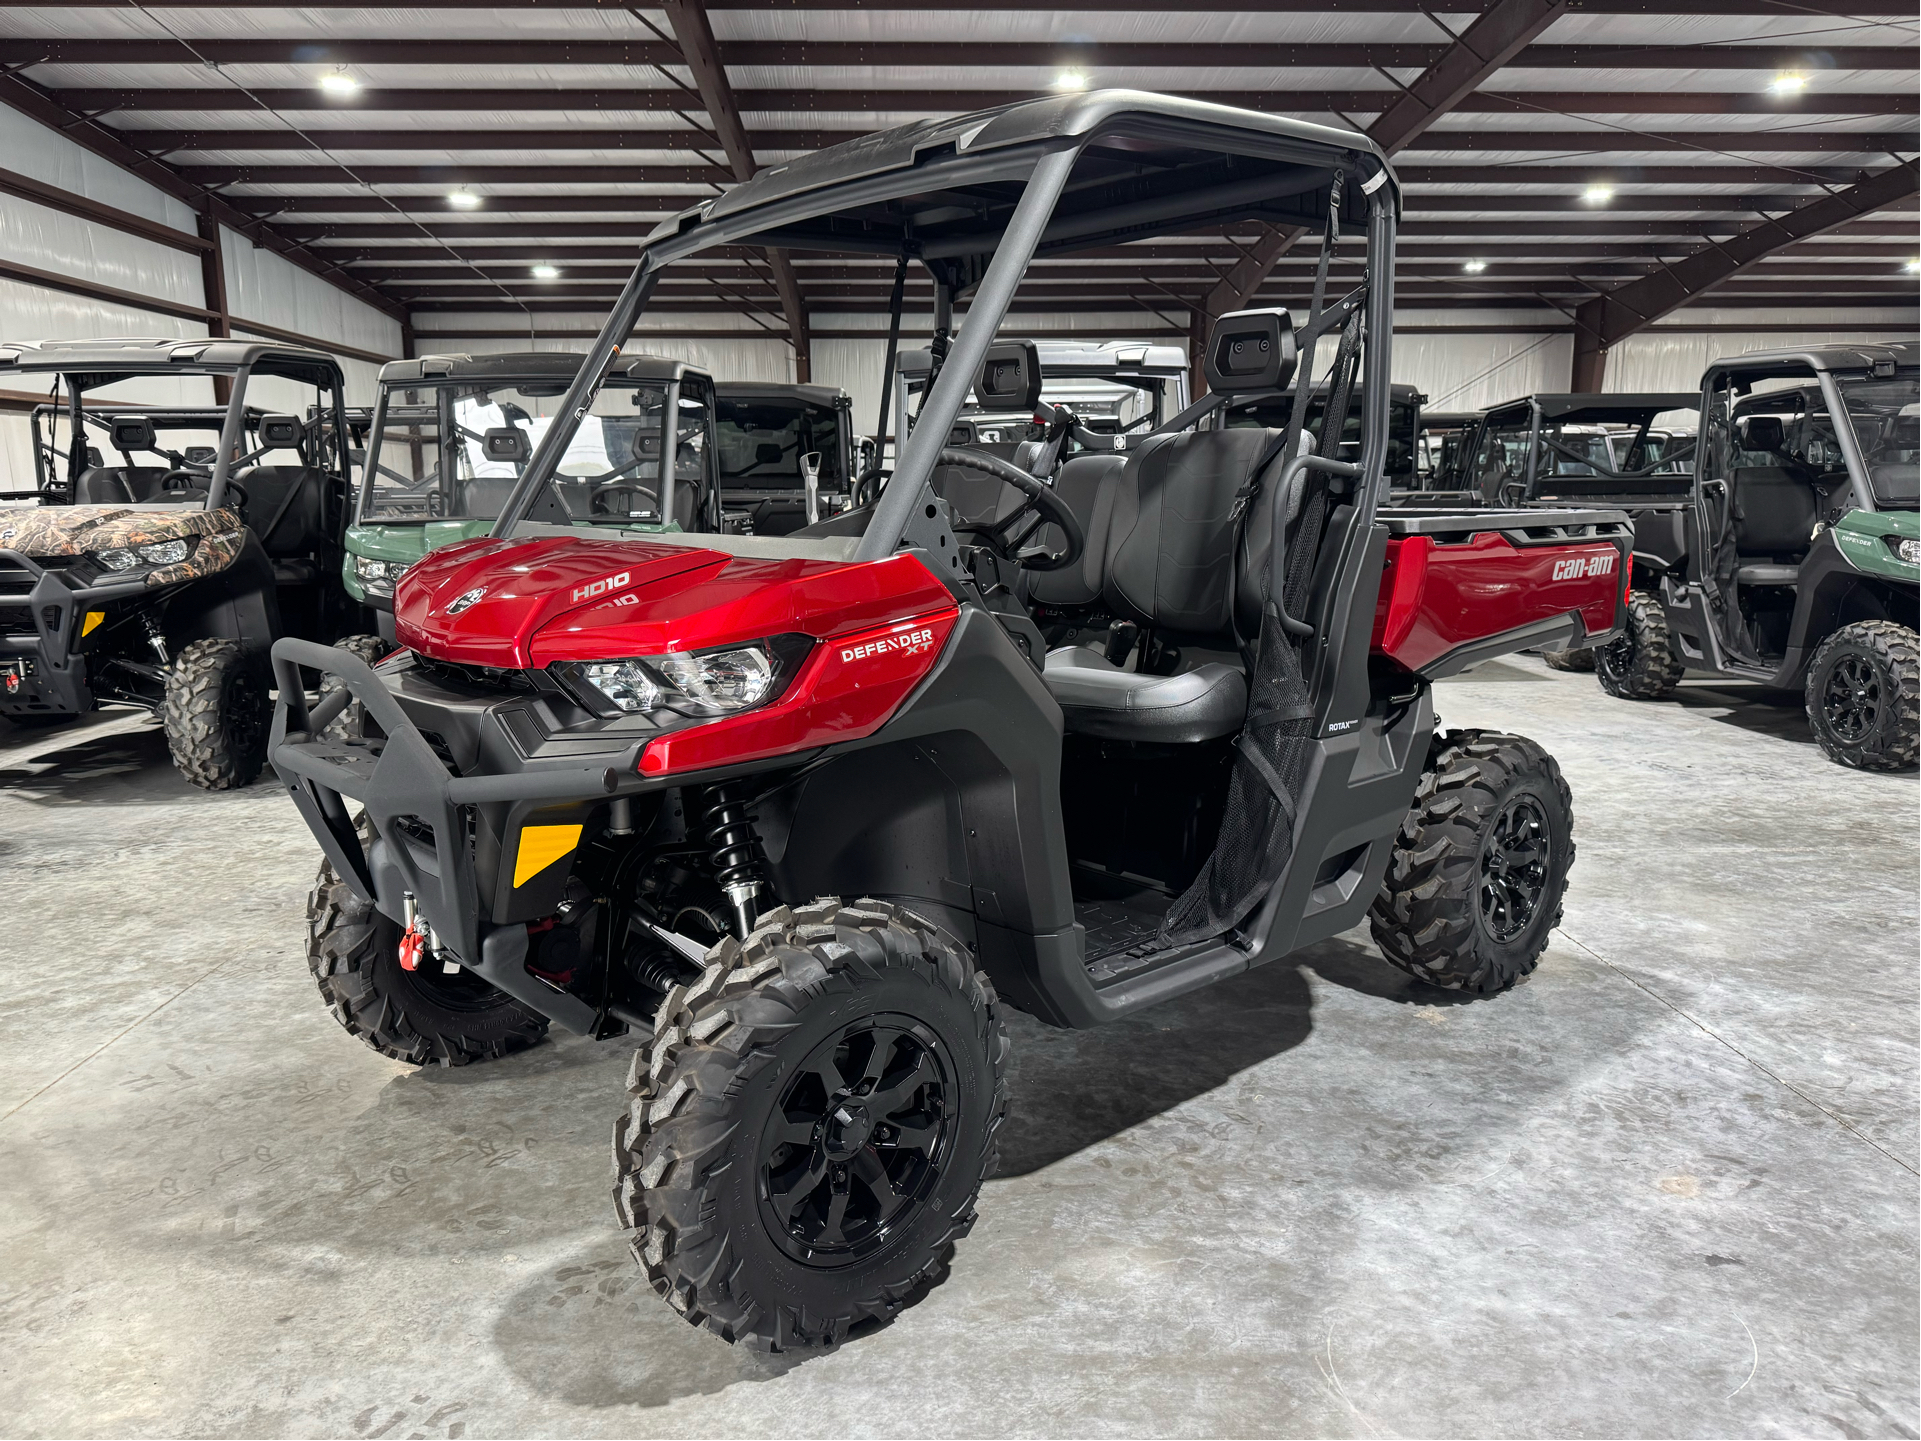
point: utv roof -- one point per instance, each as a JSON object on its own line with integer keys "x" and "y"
{"x": 824, "y": 395}
{"x": 1083, "y": 359}
{"x": 1444, "y": 419}
{"x": 527, "y": 365}
{"x": 792, "y": 204}
{"x": 1616, "y": 408}
{"x": 94, "y": 363}
{"x": 1827, "y": 357}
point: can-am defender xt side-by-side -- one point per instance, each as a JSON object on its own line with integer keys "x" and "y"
{"x": 1788, "y": 551}
{"x": 799, "y": 812}
{"x": 451, "y": 434}
{"x": 163, "y": 549}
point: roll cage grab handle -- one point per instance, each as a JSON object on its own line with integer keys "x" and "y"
{"x": 1046, "y": 180}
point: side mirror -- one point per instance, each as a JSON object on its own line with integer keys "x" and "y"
{"x": 506, "y": 443}
{"x": 1250, "y": 350}
{"x": 281, "y": 432}
{"x": 1010, "y": 377}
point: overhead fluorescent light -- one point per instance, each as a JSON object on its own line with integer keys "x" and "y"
{"x": 1787, "y": 84}
{"x": 546, "y": 272}
{"x": 340, "y": 83}
{"x": 1474, "y": 267}
{"x": 1598, "y": 194}
{"x": 463, "y": 200}
{"x": 1070, "y": 80}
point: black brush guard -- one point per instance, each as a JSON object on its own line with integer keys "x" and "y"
{"x": 406, "y": 793}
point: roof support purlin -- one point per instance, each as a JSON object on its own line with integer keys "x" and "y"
{"x": 32, "y": 102}
{"x": 702, "y": 56}
{"x": 1606, "y": 320}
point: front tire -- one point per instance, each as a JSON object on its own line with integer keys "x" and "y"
{"x": 351, "y": 723}
{"x": 215, "y": 712}
{"x": 423, "y": 1017}
{"x": 1640, "y": 663}
{"x": 1480, "y": 866}
{"x": 1864, "y": 696}
{"x": 808, "y": 1130}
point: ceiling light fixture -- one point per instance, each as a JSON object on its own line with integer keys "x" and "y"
{"x": 1788, "y": 84}
{"x": 1598, "y": 194}
{"x": 340, "y": 83}
{"x": 1070, "y": 80}
{"x": 463, "y": 200}
{"x": 546, "y": 272}
{"x": 1474, "y": 267}
{"x": 1914, "y": 266}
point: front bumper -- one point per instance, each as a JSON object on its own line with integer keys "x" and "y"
{"x": 452, "y": 842}
{"x": 39, "y": 618}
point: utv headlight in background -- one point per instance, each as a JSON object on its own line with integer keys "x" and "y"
{"x": 377, "y": 577}
{"x": 697, "y": 684}
{"x": 1908, "y": 550}
{"x": 162, "y": 552}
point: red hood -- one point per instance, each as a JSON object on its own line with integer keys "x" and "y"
{"x": 538, "y": 601}
{"x": 480, "y": 602}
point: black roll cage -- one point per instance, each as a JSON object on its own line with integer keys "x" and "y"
{"x": 825, "y": 203}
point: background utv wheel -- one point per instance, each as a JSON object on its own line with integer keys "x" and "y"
{"x": 351, "y": 722}
{"x": 424, "y": 1017}
{"x": 1480, "y": 865}
{"x": 1640, "y": 664}
{"x": 216, "y": 713}
{"x": 1864, "y": 697}
{"x": 807, "y": 1132}
{"x": 1581, "y": 659}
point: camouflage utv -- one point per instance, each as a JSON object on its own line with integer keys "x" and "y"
{"x": 161, "y": 550}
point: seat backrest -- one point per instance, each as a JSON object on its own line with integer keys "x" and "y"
{"x": 973, "y": 495}
{"x": 1773, "y": 510}
{"x": 301, "y": 528}
{"x": 119, "y": 484}
{"x": 483, "y": 496}
{"x": 1087, "y": 485}
{"x": 1170, "y": 548}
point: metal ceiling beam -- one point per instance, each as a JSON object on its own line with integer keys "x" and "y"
{"x": 702, "y": 58}
{"x": 625, "y": 137}
{"x": 1790, "y": 9}
{"x": 102, "y": 100}
{"x": 37, "y": 105}
{"x": 960, "y": 55}
{"x": 1605, "y": 321}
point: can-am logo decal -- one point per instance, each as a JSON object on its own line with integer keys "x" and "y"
{"x": 912, "y": 643}
{"x": 602, "y": 586}
{"x": 465, "y": 599}
{"x": 1584, "y": 565}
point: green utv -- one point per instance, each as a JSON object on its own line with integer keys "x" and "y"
{"x": 161, "y": 550}
{"x": 450, "y": 436}
{"x": 1790, "y": 554}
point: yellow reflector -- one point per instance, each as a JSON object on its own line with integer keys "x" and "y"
{"x": 540, "y": 847}
{"x": 94, "y": 617}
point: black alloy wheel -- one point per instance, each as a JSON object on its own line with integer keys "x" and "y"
{"x": 1514, "y": 869}
{"x": 1851, "y": 700}
{"x": 857, "y": 1141}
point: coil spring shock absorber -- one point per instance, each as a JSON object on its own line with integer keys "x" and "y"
{"x": 730, "y": 833}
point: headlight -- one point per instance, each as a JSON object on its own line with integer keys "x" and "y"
{"x": 1908, "y": 550}
{"x": 164, "y": 552}
{"x": 377, "y": 577}
{"x": 699, "y": 683}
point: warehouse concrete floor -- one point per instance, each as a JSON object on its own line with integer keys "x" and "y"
{"x": 1667, "y": 1187}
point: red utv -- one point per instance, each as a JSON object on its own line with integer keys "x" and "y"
{"x": 801, "y": 813}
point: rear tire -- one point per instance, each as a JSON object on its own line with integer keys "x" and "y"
{"x": 1480, "y": 866}
{"x": 808, "y": 1130}
{"x": 216, "y": 712}
{"x": 423, "y": 1017}
{"x": 1640, "y": 663}
{"x": 1864, "y": 696}
{"x": 1580, "y": 659}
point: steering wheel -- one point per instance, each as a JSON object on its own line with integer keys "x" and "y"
{"x": 183, "y": 479}
{"x": 1041, "y": 502}
{"x": 596, "y": 506}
